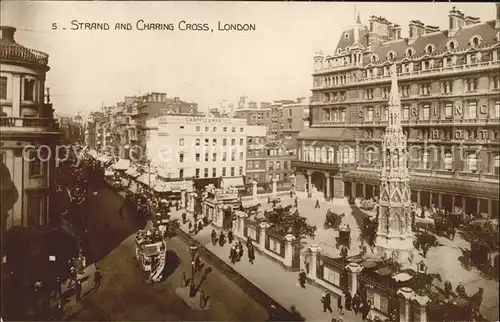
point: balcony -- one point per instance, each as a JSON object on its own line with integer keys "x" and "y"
{"x": 315, "y": 165}
{"x": 28, "y": 124}
{"x": 16, "y": 53}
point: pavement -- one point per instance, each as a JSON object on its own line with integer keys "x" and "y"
{"x": 281, "y": 285}
{"x": 124, "y": 294}
{"x": 272, "y": 279}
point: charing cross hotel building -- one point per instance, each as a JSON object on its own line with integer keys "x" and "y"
{"x": 449, "y": 86}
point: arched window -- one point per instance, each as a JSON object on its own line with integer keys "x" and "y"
{"x": 369, "y": 156}
{"x": 430, "y": 48}
{"x": 373, "y": 58}
{"x": 471, "y": 163}
{"x": 410, "y": 52}
{"x": 452, "y": 44}
{"x": 425, "y": 160}
{"x": 391, "y": 55}
{"x": 346, "y": 35}
{"x": 345, "y": 155}
{"x": 324, "y": 155}
{"x": 317, "y": 155}
{"x": 448, "y": 161}
{"x": 331, "y": 155}
{"x": 476, "y": 40}
{"x": 496, "y": 165}
{"x": 352, "y": 156}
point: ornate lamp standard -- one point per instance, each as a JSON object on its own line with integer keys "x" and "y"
{"x": 192, "y": 289}
{"x": 422, "y": 272}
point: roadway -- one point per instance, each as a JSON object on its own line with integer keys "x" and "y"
{"x": 124, "y": 295}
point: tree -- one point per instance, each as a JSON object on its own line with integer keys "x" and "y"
{"x": 286, "y": 223}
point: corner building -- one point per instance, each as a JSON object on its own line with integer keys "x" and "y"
{"x": 197, "y": 147}
{"x": 449, "y": 84}
{"x": 27, "y": 126}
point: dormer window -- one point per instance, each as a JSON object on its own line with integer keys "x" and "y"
{"x": 476, "y": 41}
{"x": 339, "y": 51}
{"x": 391, "y": 55}
{"x": 451, "y": 45}
{"x": 410, "y": 52}
{"x": 346, "y": 35}
{"x": 429, "y": 49}
{"x": 373, "y": 58}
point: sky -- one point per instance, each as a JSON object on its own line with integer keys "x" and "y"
{"x": 91, "y": 68}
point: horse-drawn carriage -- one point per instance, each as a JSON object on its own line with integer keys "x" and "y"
{"x": 444, "y": 226}
{"x": 457, "y": 308}
{"x": 344, "y": 238}
{"x": 332, "y": 220}
{"x": 425, "y": 239}
{"x": 485, "y": 256}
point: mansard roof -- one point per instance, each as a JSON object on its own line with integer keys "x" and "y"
{"x": 348, "y": 42}
{"x": 440, "y": 40}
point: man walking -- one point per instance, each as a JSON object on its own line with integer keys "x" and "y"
{"x": 340, "y": 308}
{"x": 97, "y": 279}
{"x": 78, "y": 290}
{"x": 302, "y": 279}
{"x": 327, "y": 301}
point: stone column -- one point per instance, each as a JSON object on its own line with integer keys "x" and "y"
{"x": 313, "y": 262}
{"x": 289, "y": 249}
{"x": 419, "y": 198}
{"x": 183, "y": 199}
{"x": 364, "y": 190}
{"x": 353, "y": 189}
{"x": 275, "y": 186}
{"x": 421, "y": 305}
{"x": 478, "y": 205}
{"x": 16, "y": 94}
{"x": 490, "y": 208}
{"x": 440, "y": 200}
{"x": 254, "y": 189}
{"x": 354, "y": 269}
{"x": 328, "y": 192}
{"x": 464, "y": 203}
{"x": 405, "y": 294}
{"x": 263, "y": 226}
{"x": 241, "y": 224}
{"x": 430, "y": 199}
{"x": 452, "y": 203}
{"x": 309, "y": 184}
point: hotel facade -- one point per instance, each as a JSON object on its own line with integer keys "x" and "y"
{"x": 449, "y": 85}
{"x": 198, "y": 147}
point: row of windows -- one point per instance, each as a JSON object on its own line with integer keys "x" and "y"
{"x": 232, "y": 172}
{"x": 214, "y": 142}
{"x": 470, "y": 111}
{"x": 214, "y": 157}
{"x": 277, "y": 165}
{"x": 214, "y": 129}
{"x": 29, "y": 89}
{"x": 327, "y": 155}
{"x": 470, "y": 163}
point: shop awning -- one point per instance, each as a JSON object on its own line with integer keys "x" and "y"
{"x": 232, "y": 182}
{"x": 177, "y": 186}
{"x": 121, "y": 164}
{"x": 144, "y": 179}
{"x": 132, "y": 171}
{"x": 161, "y": 186}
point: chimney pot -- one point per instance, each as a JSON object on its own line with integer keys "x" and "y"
{"x": 8, "y": 33}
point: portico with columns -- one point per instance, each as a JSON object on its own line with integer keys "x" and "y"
{"x": 325, "y": 184}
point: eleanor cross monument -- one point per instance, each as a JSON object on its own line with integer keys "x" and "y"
{"x": 394, "y": 234}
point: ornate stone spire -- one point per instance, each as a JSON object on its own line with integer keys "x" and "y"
{"x": 394, "y": 234}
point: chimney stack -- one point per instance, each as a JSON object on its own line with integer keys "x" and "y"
{"x": 416, "y": 28}
{"x": 429, "y": 29}
{"x": 456, "y": 19}
{"x": 8, "y": 34}
{"x": 469, "y": 20}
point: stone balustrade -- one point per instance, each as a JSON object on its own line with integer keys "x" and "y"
{"x": 18, "y": 53}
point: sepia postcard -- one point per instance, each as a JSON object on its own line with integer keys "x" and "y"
{"x": 249, "y": 161}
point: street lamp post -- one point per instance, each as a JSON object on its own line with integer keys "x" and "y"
{"x": 192, "y": 289}
{"x": 422, "y": 272}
